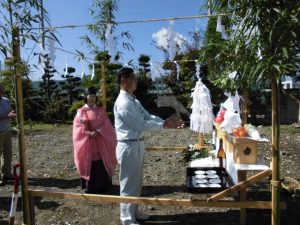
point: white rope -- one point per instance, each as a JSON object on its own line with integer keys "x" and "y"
{"x": 131, "y": 21}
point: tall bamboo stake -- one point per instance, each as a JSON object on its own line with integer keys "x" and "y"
{"x": 245, "y": 107}
{"x": 103, "y": 85}
{"x": 275, "y": 183}
{"x": 20, "y": 120}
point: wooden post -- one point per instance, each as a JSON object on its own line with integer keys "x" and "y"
{"x": 243, "y": 184}
{"x": 242, "y": 175}
{"x": 32, "y": 212}
{"x": 200, "y": 143}
{"x": 275, "y": 183}
{"x": 20, "y": 122}
{"x": 103, "y": 84}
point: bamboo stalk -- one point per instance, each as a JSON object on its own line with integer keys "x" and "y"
{"x": 154, "y": 201}
{"x": 275, "y": 154}
{"x": 103, "y": 85}
{"x": 240, "y": 185}
{"x": 245, "y": 108}
{"x": 131, "y": 21}
{"x": 20, "y": 122}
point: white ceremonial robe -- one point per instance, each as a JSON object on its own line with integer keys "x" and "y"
{"x": 131, "y": 121}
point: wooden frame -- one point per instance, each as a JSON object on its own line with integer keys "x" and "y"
{"x": 213, "y": 201}
{"x": 148, "y": 201}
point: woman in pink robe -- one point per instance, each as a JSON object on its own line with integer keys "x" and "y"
{"x": 94, "y": 142}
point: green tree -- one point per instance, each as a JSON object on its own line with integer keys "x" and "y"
{"x": 102, "y": 12}
{"x": 182, "y": 83}
{"x": 70, "y": 86}
{"x": 259, "y": 28}
{"x": 22, "y": 14}
{"x": 112, "y": 89}
{"x": 48, "y": 86}
{"x": 144, "y": 81}
{"x": 32, "y": 103}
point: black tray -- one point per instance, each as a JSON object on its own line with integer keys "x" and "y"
{"x": 193, "y": 187}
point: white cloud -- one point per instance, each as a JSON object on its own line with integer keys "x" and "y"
{"x": 160, "y": 38}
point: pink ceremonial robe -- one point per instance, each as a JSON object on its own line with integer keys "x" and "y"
{"x": 88, "y": 149}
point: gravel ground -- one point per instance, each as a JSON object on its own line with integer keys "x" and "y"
{"x": 50, "y": 166}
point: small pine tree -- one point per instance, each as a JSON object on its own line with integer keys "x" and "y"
{"x": 71, "y": 86}
{"x": 144, "y": 80}
{"x": 48, "y": 86}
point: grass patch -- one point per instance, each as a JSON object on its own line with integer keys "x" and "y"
{"x": 35, "y": 127}
{"x": 286, "y": 129}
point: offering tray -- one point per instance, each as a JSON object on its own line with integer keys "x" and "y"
{"x": 211, "y": 180}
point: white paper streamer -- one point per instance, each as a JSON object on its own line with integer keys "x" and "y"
{"x": 42, "y": 64}
{"x": 42, "y": 60}
{"x": 13, "y": 206}
{"x": 51, "y": 49}
{"x": 259, "y": 55}
{"x": 43, "y": 52}
{"x": 82, "y": 68}
{"x": 201, "y": 119}
{"x": 155, "y": 70}
{"x": 224, "y": 35}
{"x": 219, "y": 24}
{"x": 177, "y": 69}
{"x": 93, "y": 70}
{"x": 197, "y": 69}
{"x": 232, "y": 75}
{"x": 110, "y": 43}
{"x": 221, "y": 28}
{"x": 171, "y": 40}
{"x": 66, "y": 68}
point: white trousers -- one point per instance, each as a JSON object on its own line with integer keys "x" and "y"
{"x": 130, "y": 156}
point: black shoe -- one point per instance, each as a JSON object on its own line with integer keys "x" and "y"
{"x": 2, "y": 183}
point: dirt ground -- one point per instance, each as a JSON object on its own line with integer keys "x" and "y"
{"x": 51, "y": 167}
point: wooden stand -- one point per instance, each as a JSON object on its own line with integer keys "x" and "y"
{"x": 200, "y": 143}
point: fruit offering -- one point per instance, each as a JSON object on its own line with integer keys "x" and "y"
{"x": 220, "y": 116}
{"x": 239, "y": 132}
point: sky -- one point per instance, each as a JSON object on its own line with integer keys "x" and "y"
{"x": 76, "y": 12}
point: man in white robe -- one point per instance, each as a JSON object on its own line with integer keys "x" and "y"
{"x": 131, "y": 121}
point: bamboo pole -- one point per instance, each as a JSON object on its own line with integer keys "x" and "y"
{"x": 72, "y": 26}
{"x": 245, "y": 107}
{"x": 20, "y": 122}
{"x": 275, "y": 183}
{"x": 240, "y": 185}
{"x": 153, "y": 201}
{"x": 103, "y": 85}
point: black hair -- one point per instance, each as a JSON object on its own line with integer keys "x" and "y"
{"x": 125, "y": 72}
{"x": 89, "y": 91}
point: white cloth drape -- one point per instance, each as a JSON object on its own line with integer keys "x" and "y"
{"x": 171, "y": 40}
{"x": 110, "y": 43}
{"x": 51, "y": 49}
{"x": 201, "y": 119}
